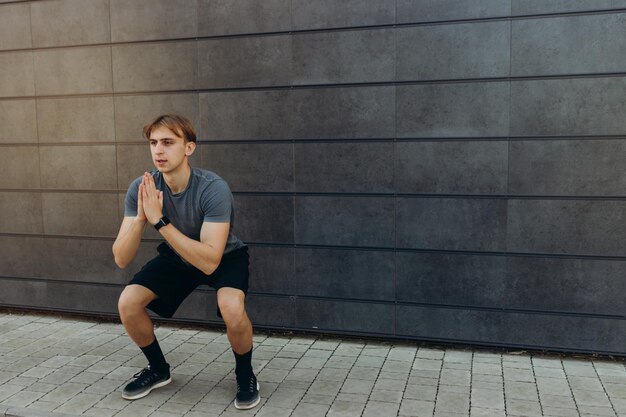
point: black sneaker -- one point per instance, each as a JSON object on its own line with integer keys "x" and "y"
{"x": 145, "y": 381}
{"x": 247, "y": 393}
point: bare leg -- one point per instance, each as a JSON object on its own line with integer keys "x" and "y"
{"x": 238, "y": 325}
{"x": 132, "y": 307}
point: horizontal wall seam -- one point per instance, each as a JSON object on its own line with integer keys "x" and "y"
{"x": 297, "y": 297}
{"x": 331, "y": 85}
{"x": 211, "y": 142}
{"x": 305, "y": 31}
{"x": 390, "y": 250}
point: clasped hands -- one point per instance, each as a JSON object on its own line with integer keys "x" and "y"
{"x": 149, "y": 200}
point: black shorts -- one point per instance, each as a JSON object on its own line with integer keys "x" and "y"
{"x": 172, "y": 280}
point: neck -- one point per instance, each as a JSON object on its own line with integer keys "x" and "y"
{"x": 177, "y": 180}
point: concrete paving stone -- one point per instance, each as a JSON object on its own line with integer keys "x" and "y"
{"x": 344, "y": 362}
{"x": 488, "y": 412}
{"x": 547, "y": 362}
{"x": 454, "y": 355}
{"x": 522, "y": 407}
{"x": 376, "y": 349}
{"x": 584, "y": 383}
{"x": 202, "y": 358}
{"x": 275, "y": 341}
{"x": 452, "y": 402}
{"x": 463, "y": 366}
{"x": 289, "y": 354}
{"x": 457, "y": 389}
{"x": 613, "y": 379}
{"x": 487, "y": 398}
{"x": 380, "y": 409}
{"x": 22, "y": 398}
{"x": 24, "y": 381}
{"x": 320, "y": 387}
{"x": 357, "y": 398}
{"x": 607, "y": 364}
{"x": 188, "y": 348}
{"x": 219, "y": 395}
{"x": 269, "y": 411}
{"x": 390, "y": 384}
{"x": 57, "y": 378}
{"x": 357, "y": 386}
{"x": 281, "y": 363}
{"x": 455, "y": 377}
{"x": 104, "y": 386}
{"x": 553, "y": 386}
{"x": 398, "y": 376}
{"x": 492, "y": 386}
{"x": 311, "y": 362}
{"x": 580, "y": 370}
{"x": 103, "y": 367}
{"x": 346, "y": 409}
{"x": 7, "y": 376}
{"x": 136, "y": 410}
{"x": 299, "y": 374}
{"x": 421, "y": 392}
{"x": 208, "y": 408}
{"x": 428, "y": 364}
{"x": 518, "y": 375}
{"x": 406, "y": 354}
{"x": 430, "y": 353}
{"x": 112, "y": 401}
{"x": 557, "y": 401}
{"x": 602, "y": 372}
{"x": 119, "y": 372}
{"x": 189, "y": 395}
{"x": 63, "y": 393}
{"x": 591, "y": 398}
{"x": 310, "y": 410}
{"x": 295, "y": 347}
{"x": 332, "y": 374}
{"x": 189, "y": 369}
{"x": 79, "y": 404}
{"x": 486, "y": 368}
{"x": 303, "y": 385}
{"x": 363, "y": 372}
{"x": 487, "y": 357}
{"x": 219, "y": 348}
{"x": 541, "y": 371}
{"x": 272, "y": 375}
{"x": 325, "y": 344}
{"x": 43, "y": 405}
{"x": 103, "y": 412}
{"x": 285, "y": 398}
{"x": 41, "y": 387}
{"x": 587, "y": 411}
{"x": 370, "y": 361}
{"x": 86, "y": 360}
{"x": 450, "y": 414}
{"x": 318, "y": 353}
{"x": 386, "y": 396}
{"x": 86, "y": 378}
{"x": 416, "y": 408}
{"x": 24, "y": 365}
{"x": 613, "y": 390}
{"x": 520, "y": 390}
{"x": 318, "y": 398}
{"x": 175, "y": 408}
{"x": 396, "y": 366}
{"x": 350, "y": 350}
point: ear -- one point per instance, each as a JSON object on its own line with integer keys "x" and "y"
{"x": 190, "y": 147}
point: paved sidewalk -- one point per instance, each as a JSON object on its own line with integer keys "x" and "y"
{"x": 55, "y": 365}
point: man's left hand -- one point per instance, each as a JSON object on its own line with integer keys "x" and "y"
{"x": 152, "y": 199}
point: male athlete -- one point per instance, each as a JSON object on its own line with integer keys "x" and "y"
{"x": 193, "y": 210}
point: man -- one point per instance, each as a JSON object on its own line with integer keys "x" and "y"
{"x": 193, "y": 210}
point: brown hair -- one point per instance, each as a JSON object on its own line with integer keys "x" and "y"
{"x": 177, "y": 123}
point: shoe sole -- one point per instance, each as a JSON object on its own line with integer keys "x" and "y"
{"x": 251, "y": 405}
{"x": 143, "y": 394}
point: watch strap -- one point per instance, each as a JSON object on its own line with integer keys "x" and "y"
{"x": 164, "y": 221}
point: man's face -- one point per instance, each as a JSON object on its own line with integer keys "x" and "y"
{"x": 169, "y": 151}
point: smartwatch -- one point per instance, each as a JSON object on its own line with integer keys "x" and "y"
{"x": 163, "y": 222}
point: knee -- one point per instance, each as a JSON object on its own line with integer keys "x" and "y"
{"x": 232, "y": 310}
{"x": 128, "y": 304}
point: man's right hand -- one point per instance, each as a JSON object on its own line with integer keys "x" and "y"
{"x": 141, "y": 216}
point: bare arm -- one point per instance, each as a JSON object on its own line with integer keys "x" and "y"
{"x": 128, "y": 238}
{"x": 204, "y": 255}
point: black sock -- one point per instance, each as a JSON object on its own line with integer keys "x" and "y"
{"x": 155, "y": 356}
{"x": 243, "y": 364}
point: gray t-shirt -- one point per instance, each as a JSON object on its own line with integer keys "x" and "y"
{"x": 207, "y": 198}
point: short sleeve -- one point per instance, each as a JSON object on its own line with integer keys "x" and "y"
{"x": 130, "y": 201}
{"x": 217, "y": 202}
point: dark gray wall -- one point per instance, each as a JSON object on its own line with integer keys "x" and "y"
{"x": 446, "y": 170}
